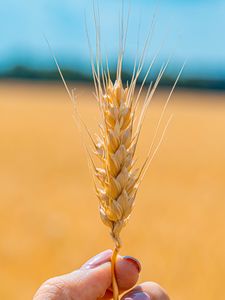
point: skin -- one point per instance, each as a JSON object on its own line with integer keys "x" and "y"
{"x": 93, "y": 282}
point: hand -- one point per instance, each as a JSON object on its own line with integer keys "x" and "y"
{"x": 93, "y": 281}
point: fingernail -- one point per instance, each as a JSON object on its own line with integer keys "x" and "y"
{"x": 138, "y": 296}
{"x": 98, "y": 260}
{"x": 134, "y": 261}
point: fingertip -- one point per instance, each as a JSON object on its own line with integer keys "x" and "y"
{"x": 147, "y": 291}
{"x": 134, "y": 261}
{"x": 127, "y": 272}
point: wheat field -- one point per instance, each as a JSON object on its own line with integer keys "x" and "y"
{"x": 49, "y": 220}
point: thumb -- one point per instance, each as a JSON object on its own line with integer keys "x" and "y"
{"x": 92, "y": 280}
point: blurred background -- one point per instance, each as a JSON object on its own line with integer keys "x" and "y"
{"x": 49, "y": 221}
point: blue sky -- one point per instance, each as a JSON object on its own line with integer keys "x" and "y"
{"x": 193, "y": 29}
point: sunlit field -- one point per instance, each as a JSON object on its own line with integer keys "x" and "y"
{"x": 49, "y": 222}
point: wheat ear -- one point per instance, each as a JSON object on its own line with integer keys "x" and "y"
{"x": 116, "y": 144}
{"x": 115, "y": 148}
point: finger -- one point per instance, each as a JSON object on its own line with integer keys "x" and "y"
{"x": 147, "y": 291}
{"x": 127, "y": 268}
{"x": 92, "y": 280}
{"x": 127, "y": 272}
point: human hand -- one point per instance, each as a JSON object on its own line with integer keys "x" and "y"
{"x": 93, "y": 281}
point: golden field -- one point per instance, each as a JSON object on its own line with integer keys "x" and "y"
{"x": 49, "y": 222}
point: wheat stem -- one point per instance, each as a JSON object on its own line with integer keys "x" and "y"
{"x": 114, "y": 280}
